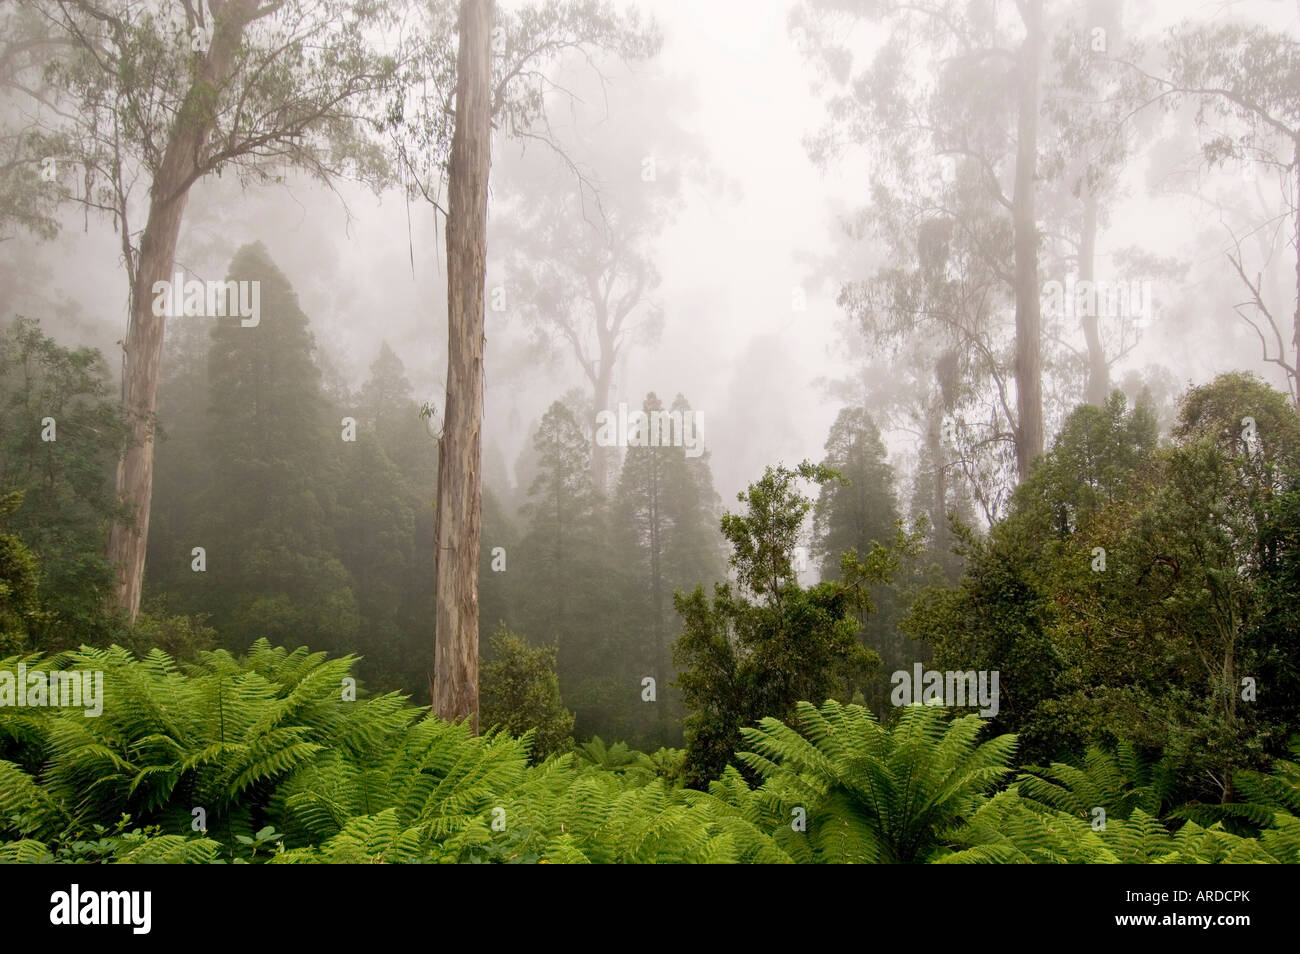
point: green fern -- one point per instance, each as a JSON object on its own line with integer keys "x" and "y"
{"x": 1116, "y": 782}
{"x": 287, "y": 771}
{"x": 872, "y": 794}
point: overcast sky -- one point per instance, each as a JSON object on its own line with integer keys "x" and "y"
{"x": 732, "y": 341}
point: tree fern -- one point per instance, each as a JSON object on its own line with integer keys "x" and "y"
{"x": 1117, "y": 782}
{"x": 261, "y": 758}
{"x": 1010, "y": 829}
{"x": 873, "y": 794}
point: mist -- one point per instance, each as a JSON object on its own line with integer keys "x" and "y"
{"x": 833, "y": 354}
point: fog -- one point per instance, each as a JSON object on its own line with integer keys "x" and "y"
{"x": 925, "y": 245}
{"x": 730, "y": 102}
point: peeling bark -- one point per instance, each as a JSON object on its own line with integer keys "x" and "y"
{"x": 454, "y": 684}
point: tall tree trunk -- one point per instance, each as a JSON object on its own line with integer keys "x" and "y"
{"x": 1098, "y": 370}
{"x": 1108, "y": 15}
{"x": 1029, "y": 344}
{"x": 128, "y": 536}
{"x": 454, "y": 685}
{"x": 1295, "y": 325}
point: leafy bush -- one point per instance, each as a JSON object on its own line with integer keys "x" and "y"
{"x": 521, "y": 693}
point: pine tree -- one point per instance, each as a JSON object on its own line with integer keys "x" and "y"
{"x": 862, "y": 507}
{"x": 667, "y": 538}
{"x": 386, "y": 403}
{"x": 183, "y": 473}
{"x": 272, "y": 564}
{"x": 568, "y": 593}
{"x": 855, "y": 513}
{"x": 696, "y": 551}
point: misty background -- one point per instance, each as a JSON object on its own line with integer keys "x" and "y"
{"x": 723, "y": 111}
{"x": 795, "y": 221}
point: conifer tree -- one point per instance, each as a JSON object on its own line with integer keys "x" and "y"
{"x": 570, "y": 595}
{"x": 272, "y": 566}
{"x": 667, "y": 537}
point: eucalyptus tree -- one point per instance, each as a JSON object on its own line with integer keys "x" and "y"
{"x": 955, "y": 87}
{"x": 1244, "y": 80}
{"x": 133, "y": 103}
{"x": 137, "y": 102}
{"x": 499, "y": 80}
{"x": 579, "y": 228}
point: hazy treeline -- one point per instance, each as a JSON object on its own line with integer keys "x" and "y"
{"x": 1061, "y": 472}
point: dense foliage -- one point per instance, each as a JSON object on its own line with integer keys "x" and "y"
{"x": 1130, "y": 578}
{"x": 268, "y": 758}
{"x": 1008, "y": 503}
{"x": 1142, "y": 593}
